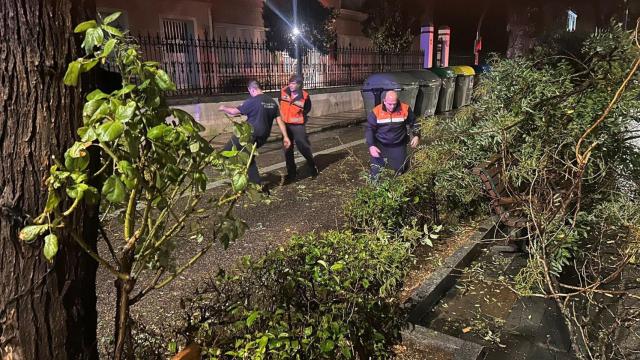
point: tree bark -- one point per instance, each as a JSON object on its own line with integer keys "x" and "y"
{"x": 47, "y": 310}
{"x": 520, "y": 28}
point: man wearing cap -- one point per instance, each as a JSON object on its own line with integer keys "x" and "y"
{"x": 387, "y": 136}
{"x": 294, "y": 107}
{"x": 260, "y": 110}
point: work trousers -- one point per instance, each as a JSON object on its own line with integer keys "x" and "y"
{"x": 297, "y": 133}
{"x": 393, "y": 155}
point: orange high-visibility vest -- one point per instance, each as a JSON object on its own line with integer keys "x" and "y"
{"x": 385, "y": 117}
{"x": 292, "y": 112}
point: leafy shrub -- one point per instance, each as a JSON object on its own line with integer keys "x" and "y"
{"x": 439, "y": 188}
{"x": 327, "y": 296}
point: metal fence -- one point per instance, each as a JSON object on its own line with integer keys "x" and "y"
{"x": 203, "y": 66}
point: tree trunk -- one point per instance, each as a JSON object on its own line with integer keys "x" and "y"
{"x": 520, "y": 28}
{"x": 47, "y": 310}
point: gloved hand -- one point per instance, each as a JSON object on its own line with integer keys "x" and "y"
{"x": 374, "y": 151}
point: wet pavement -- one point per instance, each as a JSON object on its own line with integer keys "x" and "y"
{"x": 482, "y": 309}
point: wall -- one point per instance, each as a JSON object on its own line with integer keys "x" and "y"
{"x": 144, "y": 16}
{"x": 323, "y": 104}
{"x": 349, "y": 29}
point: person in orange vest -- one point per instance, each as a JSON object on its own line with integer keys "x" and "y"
{"x": 387, "y": 136}
{"x": 295, "y": 104}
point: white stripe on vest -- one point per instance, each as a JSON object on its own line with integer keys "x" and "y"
{"x": 390, "y": 120}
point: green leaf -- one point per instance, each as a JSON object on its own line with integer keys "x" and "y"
{"x": 88, "y": 65}
{"x": 239, "y": 182}
{"x": 182, "y": 116}
{"x": 427, "y": 241}
{"x": 76, "y": 157}
{"x": 84, "y": 26}
{"x": 337, "y": 266}
{"x": 157, "y": 131}
{"x": 125, "y": 112}
{"x": 77, "y": 191}
{"x": 31, "y": 232}
{"x": 52, "y": 202}
{"x": 100, "y": 112}
{"x": 108, "y": 47}
{"x": 229, "y": 153}
{"x": 72, "y": 74}
{"x": 110, "y": 130}
{"x": 163, "y": 81}
{"x": 50, "y": 246}
{"x": 93, "y": 37}
{"x": 78, "y": 149}
{"x": 327, "y": 346}
{"x": 114, "y": 190}
{"x": 111, "y": 30}
{"x": 87, "y": 134}
{"x": 109, "y": 19}
{"x": 91, "y": 107}
{"x": 173, "y": 347}
{"x": 128, "y": 172}
{"x": 126, "y": 89}
{"x": 96, "y": 94}
{"x": 194, "y": 147}
{"x": 323, "y": 263}
{"x": 252, "y": 317}
{"x": 126, "y": 168}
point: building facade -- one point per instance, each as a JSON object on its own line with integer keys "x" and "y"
{"x": 238, "y": 19}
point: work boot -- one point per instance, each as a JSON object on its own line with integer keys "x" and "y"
{"x": 314, "y": 171}
{"x": 289, "y": 178}
{"x": 264, "y": 189}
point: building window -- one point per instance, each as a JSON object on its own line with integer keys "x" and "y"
{"x": 177, "y": 33}
{"x": 572, "y": 17}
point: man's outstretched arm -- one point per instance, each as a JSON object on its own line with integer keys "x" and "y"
{"x": 229, "y": 110}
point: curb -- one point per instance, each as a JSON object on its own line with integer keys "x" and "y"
{"x": 433, "y": 288}
{"x": 426, "y": 340}
{"x": 427, "y": 295}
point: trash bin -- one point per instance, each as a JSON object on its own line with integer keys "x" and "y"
{"x": 427, "y": 98}
{"x": 480, "y": 71}
{"x": 447, "y": 90}
{"x": 376, "y": 86}
{"x": 464, "y": 85}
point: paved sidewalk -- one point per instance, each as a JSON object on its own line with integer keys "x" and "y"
{"x": 315, "y": 124}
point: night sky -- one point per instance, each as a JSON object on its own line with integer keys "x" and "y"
{"x": 463, "y": 15}
{"x": 463, "y": 20}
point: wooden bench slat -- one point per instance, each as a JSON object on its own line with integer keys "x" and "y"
{"x": 502, "y": 203}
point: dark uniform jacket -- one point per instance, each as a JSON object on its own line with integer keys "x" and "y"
{"x": 390, "y": 127}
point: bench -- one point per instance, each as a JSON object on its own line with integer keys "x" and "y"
{"x": 503, "y": 203}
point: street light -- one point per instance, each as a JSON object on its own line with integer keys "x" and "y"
{"x": 296, "y": 32}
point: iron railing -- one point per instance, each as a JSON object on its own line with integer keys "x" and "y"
{"x": 204, "y": 66}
